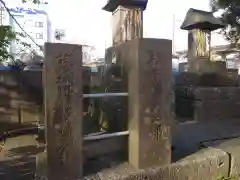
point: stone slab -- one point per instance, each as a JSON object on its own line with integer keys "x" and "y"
{"x": 216, "y": 93}
{"x": 223, "y": 79}
{"x": 148, "y": 62}
{"x": 215, "y": 110}
{"x": 94, "y": 149}
{"x": 188, "y": 136}
{"x": 208, "y": 164}
{"x": 63, "y": 110}
{"x": 41, "y": 166}
{"x": 202, "y": 66}
{"x": 187, "y": 78}
{"x": 232, "y": 147}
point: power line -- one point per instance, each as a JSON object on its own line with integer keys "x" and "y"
{"x": 10, "y": 14}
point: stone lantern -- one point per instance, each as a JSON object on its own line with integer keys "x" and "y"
{"x": 127, "y": 19}
{"x": 199, "y": 25}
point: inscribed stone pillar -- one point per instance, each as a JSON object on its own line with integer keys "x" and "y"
{"x": 63, "y": 110}
{"x": 198, "y": 50}
{"x": 41, "y": 158}
{"x": 150, "y": 101}
{"x": 198, "y": 44}
{"x": 127, "y": 24}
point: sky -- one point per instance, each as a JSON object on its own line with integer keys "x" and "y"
{"x": 85, "y": 22}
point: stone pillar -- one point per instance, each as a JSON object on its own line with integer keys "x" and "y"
{"x": 63, "y": 110}
{"x": 198, "y": 44}
{"x": 127, "y": 24}
{"x": 198, "y": 50}
{"x": 41, "y": 158}
{"x": 150, "y": 101}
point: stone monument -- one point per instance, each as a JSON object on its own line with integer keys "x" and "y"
{"x": 199, "y": 25}
{"x": 127, "y": 19}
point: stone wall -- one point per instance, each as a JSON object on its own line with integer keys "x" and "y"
{"x": 207, "y": 96}
{"x": 18, "y": 104}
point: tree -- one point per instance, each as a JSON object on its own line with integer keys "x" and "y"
{"x": 7, "y": 36}
{"x": 230, "y": 15}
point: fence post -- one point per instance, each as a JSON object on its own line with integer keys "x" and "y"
{"x": 150, "y": 102}
{"x": 63, "y": 110}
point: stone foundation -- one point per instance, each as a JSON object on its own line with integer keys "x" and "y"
{"x": 208, "y": 103}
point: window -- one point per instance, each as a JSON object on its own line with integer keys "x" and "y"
{"x": 39, "y": 24}
{"x": 39, "y": 36}
{"x": 94, "y": 69}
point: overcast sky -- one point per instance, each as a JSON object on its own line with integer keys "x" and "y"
{"x": 85, "y": 22}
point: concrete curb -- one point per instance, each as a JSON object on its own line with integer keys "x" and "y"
{"x": 232, "y": 147}
{"x": 207, "y": 164}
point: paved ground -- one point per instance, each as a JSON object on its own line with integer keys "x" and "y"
{"x": 17, "y": 159}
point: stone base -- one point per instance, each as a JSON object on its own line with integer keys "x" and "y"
{"x": 41, "y": 166}
{"x": 206, "y": 164}
{"x": 232, "y": 147}
{"x": 220, "y": 103}
{"x": 208, "y": 103}
{"x": 216, "y": 110}
{"x": 206, "y": 66}
{"x": 207, "y": 79}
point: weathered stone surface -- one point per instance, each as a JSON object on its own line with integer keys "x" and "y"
{"x": 206, "y": 66}
{"x": 208, "y": 164}
{"x": 94, "y": 149}
{"x": 216, "y": 93}
{"x": 150, "y": 101}
{"x": 187, "y": 78}
{"x": 63, "y": 110}
{"x": 224, "y": 79}
{"x": 215, "y": 110}
{"x": 127, "y": 24}
{"x": 205, "y": 165}
{"x": 9, "y": 78}
{"x": 198, "y": 46}
{"x": 41, "y": 166}
{"x": 190, "y": 135}
{"x": 208, "y": 103}
{"x": 30, "y": 115}
{"x": 232, "y": 147}
{"x": 118, "y": 172}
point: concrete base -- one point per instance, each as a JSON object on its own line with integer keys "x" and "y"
{"x": 200, "y": 153}
{"x": 232, "y": 147}
{"x": 189, "y": 136}
{"x": 41, "y": 166}
{"x": 208, "y": 164}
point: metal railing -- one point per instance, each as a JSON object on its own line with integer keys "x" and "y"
{"x": 99, "y": 135}
{"x": 102, "y": 95}
{"x": 105, "y": 136}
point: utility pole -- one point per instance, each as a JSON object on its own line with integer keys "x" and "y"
{"x": 173, "y": 32}
{"x": 1, "y": 14}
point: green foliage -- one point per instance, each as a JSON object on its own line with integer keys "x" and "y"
{"x": 7, "y": 36}
{"x": 34, "y": 1}
{"x": 230, "y": 16}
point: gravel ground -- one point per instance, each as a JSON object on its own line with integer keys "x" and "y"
{"x": 17, "y": 158}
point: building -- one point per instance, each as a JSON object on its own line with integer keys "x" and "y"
{"x": 35, "y": 22}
